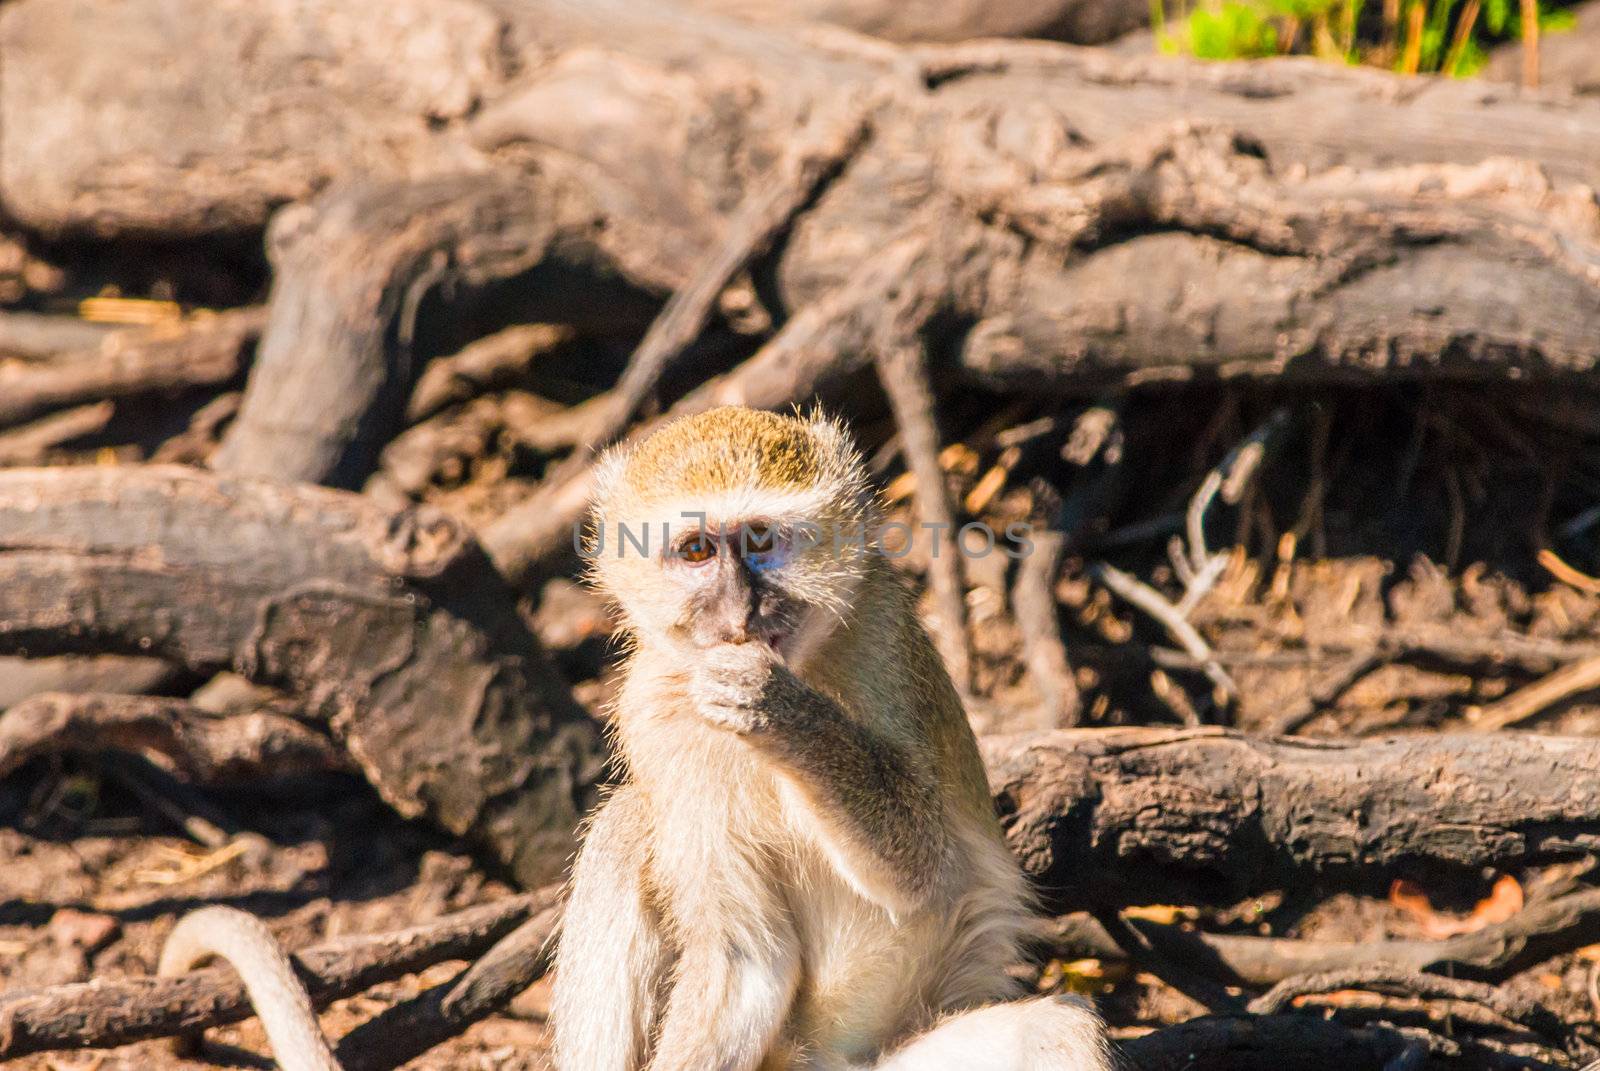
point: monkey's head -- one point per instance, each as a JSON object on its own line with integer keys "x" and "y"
{"x": 733, "y": 526}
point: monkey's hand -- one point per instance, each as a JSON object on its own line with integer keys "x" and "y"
{"x": 733, "y": 684}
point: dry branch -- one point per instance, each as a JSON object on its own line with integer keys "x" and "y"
{"x": 1516, "y": 1008}
{"x": 36, "y": 336}
{"x": 1524, "y": 703}
{"x": 487, "y": 364}
{"x": 1033, "y": 600}
{"x": 515, "y": 962}
{"x": 197, "y": 353}
{"x": 30, "y": 442}
{"x": 109, "y": 1012}
{"x": 903, "y": 372}
{"x": 750, "y": 235}
{"x": 1206, "y": 815}
{"x": 1560, "y": 925}
{"x": 391, "y": 626}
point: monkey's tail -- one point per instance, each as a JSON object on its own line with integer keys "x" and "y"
{"x": 279, "y": 998}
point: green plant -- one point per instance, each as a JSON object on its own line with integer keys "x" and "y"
{"x": 1449, "y": 37}
{"x": 1234, "y": 30}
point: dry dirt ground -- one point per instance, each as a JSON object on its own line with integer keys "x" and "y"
{"x": 84, "y": 897}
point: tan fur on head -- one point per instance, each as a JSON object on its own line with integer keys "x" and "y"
{"x": 722, "y": 448}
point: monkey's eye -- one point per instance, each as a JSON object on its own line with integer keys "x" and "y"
{"x": 697, "y": 549}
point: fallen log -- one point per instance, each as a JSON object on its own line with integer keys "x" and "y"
{"x": 206, "y": 748}
{"x": 1212, "y": 816}
{"x": 1083, "y": 22}
{"x": 1381, "y": 241}
{"x": 390, "y": 626}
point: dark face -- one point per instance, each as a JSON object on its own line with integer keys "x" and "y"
{"x": 737, "y": 596}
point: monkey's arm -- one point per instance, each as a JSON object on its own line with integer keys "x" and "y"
{"x": 872, "y": 803}
{"x": 611, "y": 957}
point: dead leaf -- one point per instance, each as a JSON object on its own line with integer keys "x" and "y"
{"x": 1505, "y": 899}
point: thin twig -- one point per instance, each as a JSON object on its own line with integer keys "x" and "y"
{"x": 1567, "y": 574}
{"x": 1524, "y": 703}
{"x": 1033, "y": 600}
{"x": 1157, "y": 606}
{"x": 1389, "y": 978}
{"x": 1530, "y": 44}
{"x": 1325, "y": 692}
{"x": 1544, "y": 928}
{"x": 902, "y": 369}
{"x": 1229, "y": 480}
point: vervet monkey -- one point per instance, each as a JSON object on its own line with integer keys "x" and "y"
{"x": 801, "y": 867}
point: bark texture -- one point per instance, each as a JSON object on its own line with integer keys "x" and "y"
{"x": 1209, "y": 815}
{"x": 392, "y": 626}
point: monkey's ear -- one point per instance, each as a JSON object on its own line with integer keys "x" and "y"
{"x": 608, "y": 476}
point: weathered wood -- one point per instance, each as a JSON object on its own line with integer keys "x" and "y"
{"x": 390, "y": 625}
{"x": 35, "y": 335}
{"x": 406, "y": 1030}
{"x": 199, "y": 353}
{"x": 1209, "y": 815}
{"x": 336, "y": 365}
{"x": 207, "y": 748}
{"x": 816, "y": 349}
{"x": 29, "y": 443}
{"x": 1133, "y": 220}
{"x": 1083, "y": 22}
{"x": 132, "y": 134}
{"x": 490, "y": 363}
{"x": 21, "y": 678}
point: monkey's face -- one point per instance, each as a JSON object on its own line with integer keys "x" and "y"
{"x": 734, "y": 527}
{"x": 775, "y": 579}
